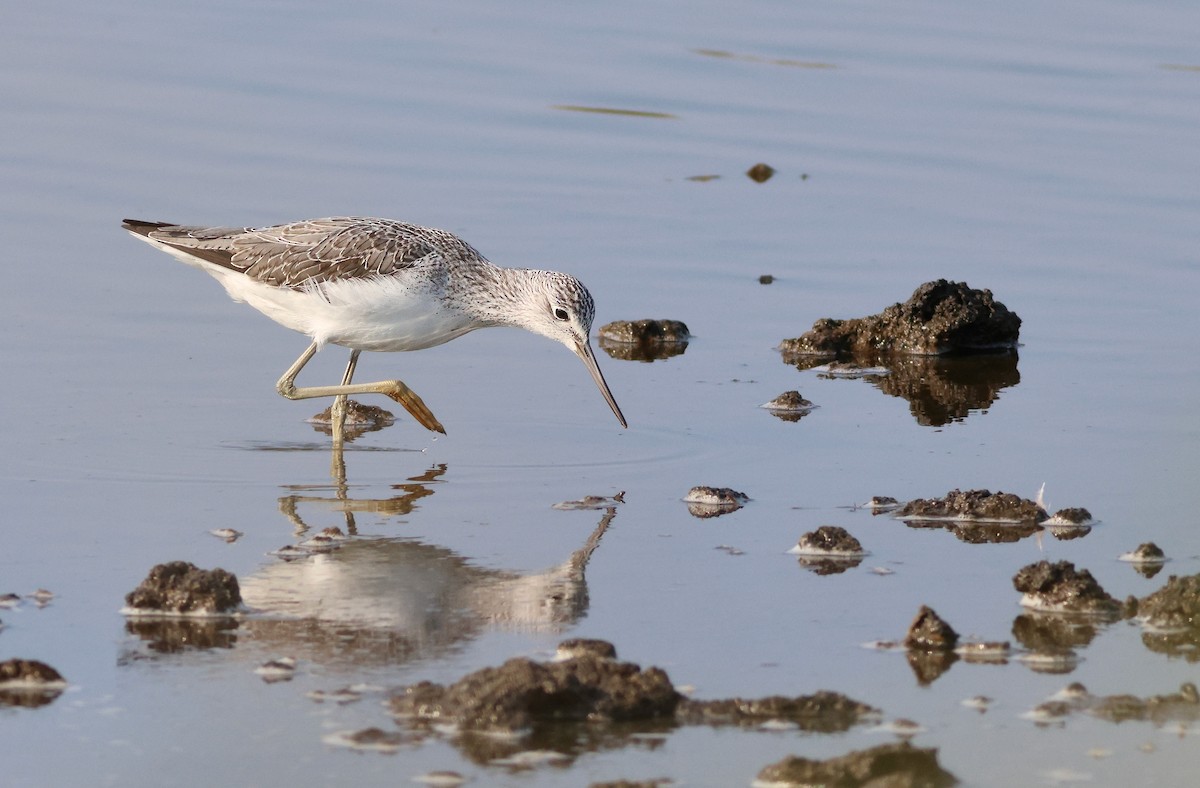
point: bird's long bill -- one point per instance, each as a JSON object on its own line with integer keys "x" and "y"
{"x": 584, "y": 351}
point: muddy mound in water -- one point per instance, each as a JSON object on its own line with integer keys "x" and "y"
{"x": 181, "y": 588}
{"x": 1174, "y": 606}
{"x": 821, "y": 712}
{"x": 893, "y": 765}
{"x": 1172, "y": 618}
{"x": 644, "y": 340}
{"x": 941, "y": 317}
{"x": 928, "y": 632}
{"x": 521, "y": 694}
{"x": 974, "y": 505}
{"x": 29, "y": 683}
{"x": 589, "y": 686}
{"x": 1061, "y": 588}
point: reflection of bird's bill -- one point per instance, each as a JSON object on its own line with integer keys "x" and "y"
{"x": 584, "y": 351}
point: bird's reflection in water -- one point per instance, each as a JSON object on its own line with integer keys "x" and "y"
{"x": 404, "y": 502}
{"x": 391, "y": 600}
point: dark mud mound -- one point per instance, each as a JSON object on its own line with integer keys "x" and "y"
{"x": 1172, "y": 618}
{"x": 928, "y": 632}
{"x": 982, "y": 505}
{"x": 644, "y": 340}
{"x": 29, "y": 683}
{"x": 941, "y": 317}
{"x": 181, "y": 588}
{"x": 1061, "y": 588}
{"x": 898, "y": 765}
{"x": 522, "y": 694}
{"x": 821, "y": 712}
{"x": 360, "y": 419}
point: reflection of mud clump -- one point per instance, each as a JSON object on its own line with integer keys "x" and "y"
{"x": 1053, "y": 636}
{"x": 360, "y": 419}
{"x": 974, "y": 505}
{"x": 180, "y": 588}
{"x": 171, "y": 636}
{"x": 821, "y": 712}
{"x": 1182, "y": 706}
{"x": 522, "y": 694}
{"x": 644, "y": 340}
{"x": 928, "y": 632}
{"x": 940, "y": 317}
{"x": 942, "y": 390}
{"x": 899, "y": 765}
{"x": 29, "y": 683}
{"x": 1059, "y": 587}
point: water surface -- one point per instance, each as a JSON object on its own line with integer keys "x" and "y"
{"x": 1047, "y": 154}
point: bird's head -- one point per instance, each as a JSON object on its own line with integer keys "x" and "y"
{"x": 561, "y": 308}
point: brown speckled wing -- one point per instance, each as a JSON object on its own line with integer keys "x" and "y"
{"x": 319, "y": 250}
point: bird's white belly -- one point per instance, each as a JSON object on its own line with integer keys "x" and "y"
{"x": 380, "y": 314}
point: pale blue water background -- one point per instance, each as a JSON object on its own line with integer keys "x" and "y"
{"x": 1045, "y": 152}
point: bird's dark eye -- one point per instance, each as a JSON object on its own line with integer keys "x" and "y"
{"x": 562, "y": 314}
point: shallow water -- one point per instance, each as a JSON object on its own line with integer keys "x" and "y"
{"x": 1047, "y": 154}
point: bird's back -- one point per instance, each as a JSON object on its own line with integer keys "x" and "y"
{"x": 311, "y": 252}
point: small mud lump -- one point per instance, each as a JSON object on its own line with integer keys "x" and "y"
{"x": 1060, "y": 587}
{"x": 899, "y": 765}
{"x": 179, "y": 588}
{"x": 941, "y": 317}
{"x": 828, "y": 540}
{"x": 760, "y": 173}
{"x": 928, "y": 632}
{"x": 633, "y": 332}
{"x": 644, "y": 340}
{"x": 29, "y": 672}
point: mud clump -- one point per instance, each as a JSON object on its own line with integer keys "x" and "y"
{"x": 360, "y": 419}
{"x": 899, "y": 765}
{"x": 644, "y": 340}
{"x": 1075, "y": 515}
{"x": 821, "y": 712}
{"x": 1146, "y": 553}
{"x": 706, "y": 501}
{"x": 633, "y": 332}
{"x": 28, "y": 683}
{"x": 1175, "y": 606}
{"x": 760, "y": 173}
{"x": 522, "y": 694}
{"x": 577, "y": 647}
{"x": 716, "y": 496}
{"x": 928, "y": 632}
{"x": 1059, "y": 587}
{"x": 974, "y": 505}
{"x": 180, "y": 588}
{"x": 789, "y": 406}
{"x": 590, "y": 687}
{"x": 941, "y": 317}
{"x": 829, "y": 550}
